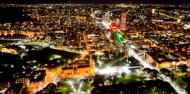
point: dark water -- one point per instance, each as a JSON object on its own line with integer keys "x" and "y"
{"x": 13, "y": 15}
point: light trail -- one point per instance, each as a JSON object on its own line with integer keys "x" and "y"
{"x": 139, "y": 58}
{"x": 178, "y": 89}
{"x": 145, "y": 64}
{"x": 72, "y": 86}
{"x": 80, "y": 86}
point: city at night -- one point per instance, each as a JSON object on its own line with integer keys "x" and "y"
{"x": 95, "y": 47}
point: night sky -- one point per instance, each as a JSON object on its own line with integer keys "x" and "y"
{"x": 100, "y": 1}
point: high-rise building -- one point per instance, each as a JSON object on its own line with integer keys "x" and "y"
{"x": 92, "y": 10}
{"x": 123, "y": 21}
{"x": 35, "y": 14}
{"x": 117, "y": 20}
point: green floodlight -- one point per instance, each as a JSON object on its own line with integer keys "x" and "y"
{"x": 120, "y": 37}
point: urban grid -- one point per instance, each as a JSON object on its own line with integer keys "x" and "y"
{"x": 94, "y": 48}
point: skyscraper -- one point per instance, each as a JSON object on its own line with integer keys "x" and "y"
{"x": 123, "y": 21}
{"x": 35, "y": 14}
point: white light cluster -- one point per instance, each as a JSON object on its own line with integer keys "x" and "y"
{"x": 113, "y": 70}
{"x": 106, "y": 24}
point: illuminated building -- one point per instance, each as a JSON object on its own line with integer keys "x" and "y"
{"x": 35, "y": 14}
{"x": 114, "y": 27}
{"x": 123, "y": 21}
{"x": 78, "y": 68}
{"x": 92, "y": 10}
{"x": 25, "y": 81}
{"x": 162, "y": 62}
